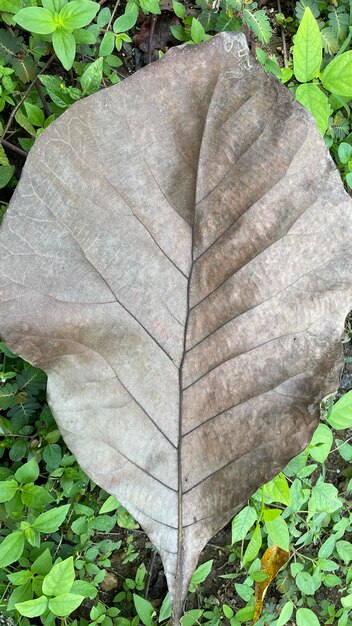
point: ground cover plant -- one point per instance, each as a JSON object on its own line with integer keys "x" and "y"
{"x": 50, "y": 510}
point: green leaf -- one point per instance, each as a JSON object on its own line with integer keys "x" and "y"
{"x": 337, "y": 76}
{"x": 242, "y": 523}
{"x": 65, "y": 47}
{"x": 20, "y": 578}
{"x": 36, "y": 19}
{"x": 8, "y": 489}
{"x": 258, "y": 22}
{"x": 111, "y": 504}
{"x": 23, "y": 121}
{"x": 305, "y": 583}
{"x": 150, "y": 6}
{"x": 11, "y": 548}
{"x": 349, "y": 179}
{"x": 6, "y": 173}
{"x": 313, "y": 99}
{"x": 200, "y": 574}
{"x": 10, "y": 6}
{"x": 91, "y": 77}
{"x": 107, "y": 44}
{"x": 253, "y": 546}
{"x": 52, "y": 456}
{"x": 178, "y": 9}
{"x": 50, "y": 521}
{"x": 28, "y": 473}
{"x": 104, "y": 17}
{"x": 33, "y": 608}
{"x": 322, "y": 439}
{"x": 324, "y": 497}
{"x": 285, "y": 614}
{"x": 197, "y": 31}
{"x": 278, "y": 490}
{"x": 144, "y": 609}
{"x": 345, "y": 154}
{"x": 166, "y": 609}
{"x": 78, "y": 13}
{"x": 34, "y": 496}
{"x": 306, "y": 617}
{"x": 83, "y": 36}
{"x": 65, "y": 603}
{"x": 34, "y": 114}
{"x": 340, "y": 417}
{"x": 60, "y": 578}
{"x": 84, "y": 588}
{"x": 307, "y": 49}
{"x": 127, "y": 20}
{"x": 344, "y": 549}
{"x": 43, "y": 564}
{"x": 278, "y": 532}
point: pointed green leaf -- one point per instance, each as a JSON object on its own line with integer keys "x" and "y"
{"x": 65, "y": 47}
{"x": 313, "y": 99}
{"x": 33, "y": 608}
{"x": 36, "y": 19}
{"x": 307, "y": 49}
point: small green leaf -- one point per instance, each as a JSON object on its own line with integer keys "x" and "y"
{"x": 107, "y": 44}
{"x": 200, "y": 574}
{"x": 34, "y": 114}
{"x": 78, "y": 13}
{"x": 8, "y": 489}
{"x": 166, "y": 609}
{"x": 306, "y": 617}
{"x": 34, "y": 496}
{"x": 33, "y": 608}
{"x": 340, "y": 417}
{"x": 50, "y": 521}
{"x": 36, "y": 19}
{"x": 6, "y": 173}
{"x": 345, "y": 154}
{"x": 127, "y": 20}
{"x": 322, "y": 439}
{"x": 285, "y": 614}
{"x": 65, "y": 47}
{"x": 111, "y": 504}
{"x": 313, "y": 99}
{"x": 28, "y": 473}
{"x": 242, "y": 523}
{"x": 179, "y": 9}
{"x": 91, "y": 77}
{"x": 11, "y": 548}
{"x": 305, "y": 583}
{"x": 253, "y": 546}
{"x": 144, "y": 609}
{"x": 307, "y": 49}
{"x": 278, "y": 490}
{"x": 43, "y": 564}
{"x": 52, "y": 456}
{"x": 278, "y": 532}
{"x": 65, "y": 603}
{"x": 83, "y": 36}
{"x": 337, "y": 76}
{"x": 60, "y": 578}
{"x": 20, "y": 578}
{"x": 197, "y": 31}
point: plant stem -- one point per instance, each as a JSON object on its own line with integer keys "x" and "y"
{"x": 10, "y": 146}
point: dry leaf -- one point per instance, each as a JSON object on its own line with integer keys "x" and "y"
{"x": 181, "y": 269}
{"x": 272, "y": 561}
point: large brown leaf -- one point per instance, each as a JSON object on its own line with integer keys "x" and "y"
{"x": 177, "y": 258}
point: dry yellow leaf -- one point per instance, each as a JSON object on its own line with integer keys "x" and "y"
{"x": 272, "y": 561}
